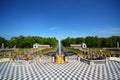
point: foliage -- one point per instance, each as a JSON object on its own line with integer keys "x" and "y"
{"x": 2, "y": 40}
{"x": 28, "y": 41}
{"x": 93, "y": 41}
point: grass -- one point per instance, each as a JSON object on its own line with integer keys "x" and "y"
{"x": 76, "y": 51}
{"x": 44, "y": 51}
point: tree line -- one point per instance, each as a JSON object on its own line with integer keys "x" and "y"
{"x": 93, "y": 41}
{"x": 27, "y": 41}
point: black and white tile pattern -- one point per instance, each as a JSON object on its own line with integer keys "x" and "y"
{"x": 73, "y": 70}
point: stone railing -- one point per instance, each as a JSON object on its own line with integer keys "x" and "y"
{"x": 92, "y": 62}
{"x": 115, "y": 59}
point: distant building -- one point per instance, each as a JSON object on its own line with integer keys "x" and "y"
{"x": 36, "y": 45}
{"x": 78, "y": 46}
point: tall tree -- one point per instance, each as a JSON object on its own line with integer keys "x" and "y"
{"x": 79, "y": 40}
{"x": 93, "y": 41}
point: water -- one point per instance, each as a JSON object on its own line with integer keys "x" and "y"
{"x": 59, "y": 47}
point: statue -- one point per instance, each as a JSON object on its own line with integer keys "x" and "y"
{"x": 92, "y": 56}
{"x": 60, "y": 59}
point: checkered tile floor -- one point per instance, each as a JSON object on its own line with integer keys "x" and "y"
{"x": 73, "y": 70}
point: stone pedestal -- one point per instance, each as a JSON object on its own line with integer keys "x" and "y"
{"x": 66, "y": 59}
{"x": 53, "y": 59}
{"x": 91, "y": 62}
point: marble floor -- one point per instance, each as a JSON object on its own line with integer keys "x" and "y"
{"x": 73, "y": 70}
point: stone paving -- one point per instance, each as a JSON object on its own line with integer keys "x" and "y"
{"x": 73, "y": 70}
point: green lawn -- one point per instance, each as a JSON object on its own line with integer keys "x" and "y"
{"x": 76, "y": 51}
{"x": 44, "y": 51}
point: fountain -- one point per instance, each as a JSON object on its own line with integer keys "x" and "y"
{"x": 60, "y": 55}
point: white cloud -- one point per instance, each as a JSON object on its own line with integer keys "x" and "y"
{"x": 52, "y": 28}
{"x": 113, "y": 31}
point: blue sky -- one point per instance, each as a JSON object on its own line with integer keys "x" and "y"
{"x": 59, "y": 18}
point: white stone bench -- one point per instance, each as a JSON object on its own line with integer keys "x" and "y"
{"x": 4, "y": 59}
{"x": 115, "y": 59}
